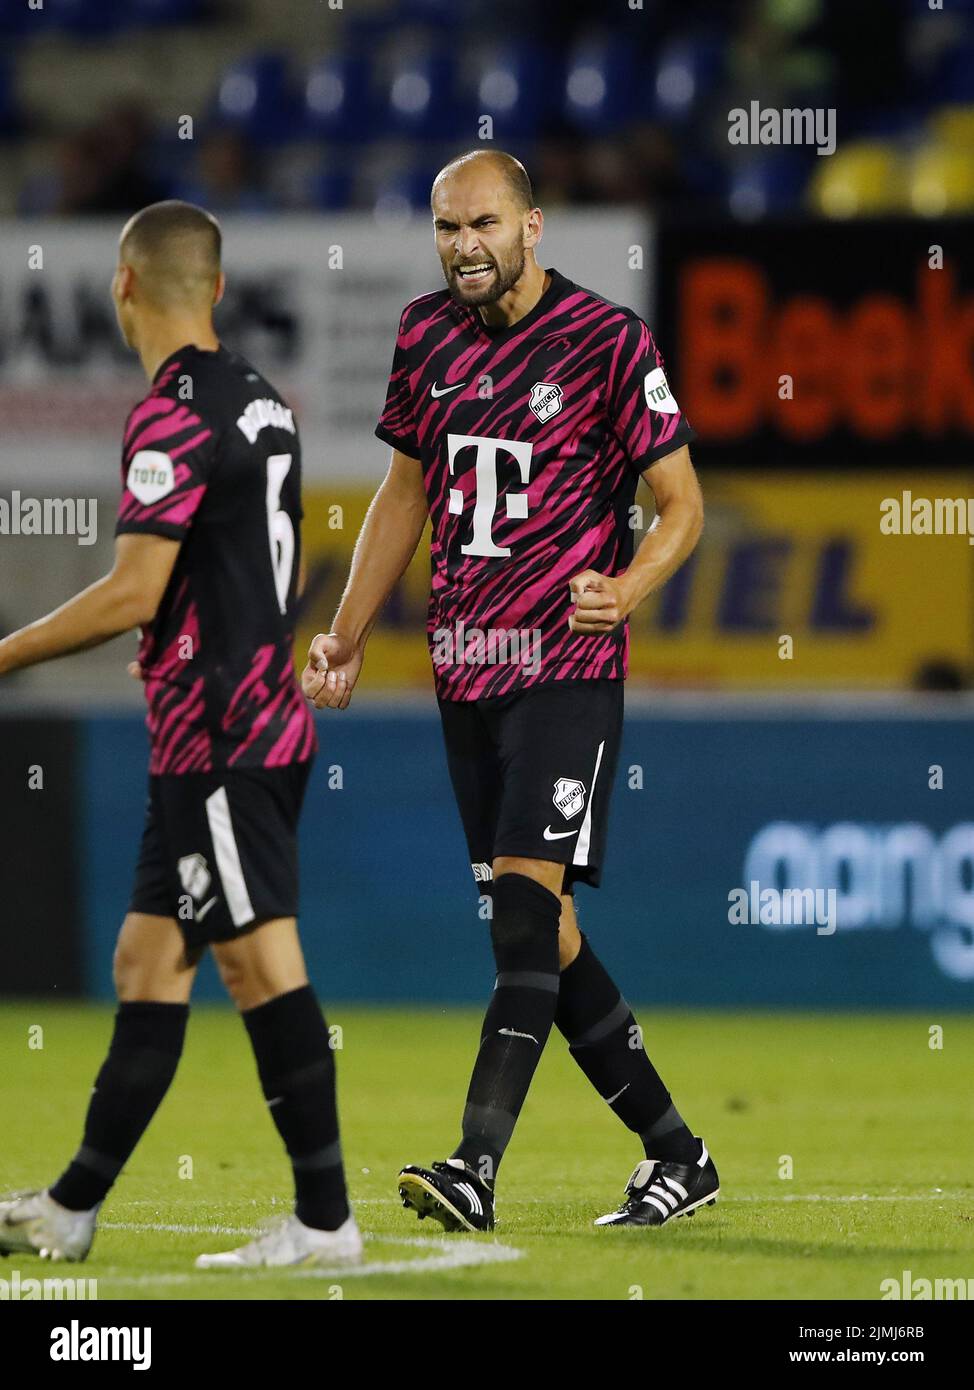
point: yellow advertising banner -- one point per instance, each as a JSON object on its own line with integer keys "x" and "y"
{"x": 801, "y": 581}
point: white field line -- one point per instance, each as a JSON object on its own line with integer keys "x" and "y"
{"x": 452, "y": 1254}
{"x": 854, "y": 1197}
{"x": 184, "y": 1229}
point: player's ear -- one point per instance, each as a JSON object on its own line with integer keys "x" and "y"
{"x": 533, "y": 227}
{"x": 221, "y": 284}
{"x": 122, "y": 282}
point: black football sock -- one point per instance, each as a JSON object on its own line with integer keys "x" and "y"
{"x": 297, "y": 1074}
{"x": 607, "y": 1044}
{"x": 141, "y": 1063}
{"x": 524, "y": 934}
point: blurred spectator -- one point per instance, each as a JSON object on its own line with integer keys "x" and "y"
{"x": 226, "y": 175}
{"x": 676, "y": 68}
{"x": 118, "y": 148}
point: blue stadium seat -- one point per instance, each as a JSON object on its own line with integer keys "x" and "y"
{"x": 255, "y": 96}
{"x": 599, "y": 85}
{"x": 954, "y": 80}
{"x": 79, "y": 17}
{"x": 518, "y": 85}
{"x": 8, "y": 103}
{"x": 445, "y": 14}
{"x": 337, "y": 98}
{"x": 16, "y": 18}
{"x": 771, "y": 183}
{"x": 890, "y": 123}
{"x": 163, "y": 11}
{"x": 418, "y": 100}
{"x": 686, "y": 72}
{"x": 329, "y": 190}
{"x": 406, "y": 190}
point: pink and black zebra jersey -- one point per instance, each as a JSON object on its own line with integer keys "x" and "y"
{"x": 532, "y": 439}
{"x": 211, "y": 458}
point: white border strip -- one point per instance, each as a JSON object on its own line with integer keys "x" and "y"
{"x": 228, "y": 858}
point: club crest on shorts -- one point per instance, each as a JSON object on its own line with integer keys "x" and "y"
{"x": 194, "y": 875}
{"x": 545, "y": 400}
{"x": 569, "y": 796}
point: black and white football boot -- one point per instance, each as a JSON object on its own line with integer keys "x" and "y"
{"x": 660, "y": 1190}
{"x": 451, "y": 1193}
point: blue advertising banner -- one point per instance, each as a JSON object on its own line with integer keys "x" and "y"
{"x": 753, "y": 861}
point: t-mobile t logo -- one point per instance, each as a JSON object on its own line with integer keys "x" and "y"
{"x": 485, "y": 478}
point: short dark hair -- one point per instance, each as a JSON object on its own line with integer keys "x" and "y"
{"x": 176, "y": 249}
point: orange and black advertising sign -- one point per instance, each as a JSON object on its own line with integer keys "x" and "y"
{"x": 828, "y": 342}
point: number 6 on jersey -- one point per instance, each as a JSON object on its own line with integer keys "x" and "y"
{"x": 280, "y": 528}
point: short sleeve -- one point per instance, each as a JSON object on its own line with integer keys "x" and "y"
{"x": 397, "y": 425}
{"x": 167, "y": 458}
{"x": 644, "y": 414}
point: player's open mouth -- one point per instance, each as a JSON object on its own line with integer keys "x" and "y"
{"x": 472, "y": 274}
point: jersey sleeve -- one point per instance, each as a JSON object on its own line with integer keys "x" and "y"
{"x": 167, "y": 458}
{"x": 397, "y": 425}
{"x": 646, "y": 418}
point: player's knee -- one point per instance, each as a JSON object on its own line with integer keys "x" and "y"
{"x": 569, "y": 945}
{"x": 524, "y": 911}
{"x": 569, "y": 936}
{"x": 131, "y": 971}
{"x": 125, "y": 967}
{"x": 237, "y": 975}
{"x": 252, "y": 977}
{"x": 543, "y": 871}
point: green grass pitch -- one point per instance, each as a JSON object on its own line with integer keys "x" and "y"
{"x": 877, "y": 1125}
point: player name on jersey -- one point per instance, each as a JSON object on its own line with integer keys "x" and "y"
{"x": 222, "y": 475}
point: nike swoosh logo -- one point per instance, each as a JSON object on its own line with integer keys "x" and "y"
{"x": 204, "y": 910}
{"x": 609, "y": 1099}
{"x": 444, "y": 390}
{"x": 550, "y": 834}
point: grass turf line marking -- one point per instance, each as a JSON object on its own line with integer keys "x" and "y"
{"x": 180, "y": 1229}
{"x": 453, "y": 1254}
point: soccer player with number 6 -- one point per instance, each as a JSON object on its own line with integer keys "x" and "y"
{"x": 207, "y": 561}
{"x": 522, "y": 411}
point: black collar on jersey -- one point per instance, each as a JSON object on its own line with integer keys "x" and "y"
{"x": 556, "y": 289}
{"x": 181, "y": 352}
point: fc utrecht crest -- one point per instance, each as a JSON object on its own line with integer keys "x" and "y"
{"x": 569, "y": 796}
{"x": 545, "y": 400}
{"x": 194, "y": 875}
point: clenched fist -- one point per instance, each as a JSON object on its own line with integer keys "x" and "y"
{"x": 333, "y": 666}
{"x": 600, "y": 603}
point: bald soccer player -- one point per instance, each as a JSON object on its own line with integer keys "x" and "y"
{"x": 207, "y": 555}
{"x": 522, "y": 411}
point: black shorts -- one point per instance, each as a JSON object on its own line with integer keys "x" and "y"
{"x": 532, "y": 773}
{"x": 220, "y": 850}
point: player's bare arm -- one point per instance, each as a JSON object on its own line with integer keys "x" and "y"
{"x": 601, "y": 601}
{"x": 386, "y": 543}
{"x": 125, "y": 598}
